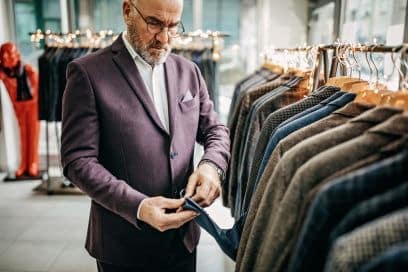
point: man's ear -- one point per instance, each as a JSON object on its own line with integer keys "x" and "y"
{"x": 126, "y": 9}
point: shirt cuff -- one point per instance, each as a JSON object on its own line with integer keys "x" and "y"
{"x": 138, "y": 209}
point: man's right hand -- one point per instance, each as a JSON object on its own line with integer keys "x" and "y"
{"x": 153, "y": 212}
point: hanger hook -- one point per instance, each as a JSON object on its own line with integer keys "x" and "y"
{"x": 394, "y": 65}
{"x": 375, "y": 66}
{"x": 368, "y": 63}
{"x": 351, "y": 65}
{"x": 355, "y": 60}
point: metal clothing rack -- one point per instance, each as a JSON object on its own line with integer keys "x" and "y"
{"x": 86, "y": 39}
{"x": 330, "y": 69}
{"x": 198, "y": 39}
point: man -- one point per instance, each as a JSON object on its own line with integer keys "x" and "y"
{"x": 131, "y": 115}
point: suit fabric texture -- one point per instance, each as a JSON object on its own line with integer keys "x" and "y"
{"x": 354, "y": 249}
{"x": 393, "y": 259}
{"x": 337, "y": 118}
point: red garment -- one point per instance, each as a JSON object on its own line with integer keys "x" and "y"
{"x": 27, "y": 115}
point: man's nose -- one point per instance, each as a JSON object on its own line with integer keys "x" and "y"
{"x": 163, "y": 36}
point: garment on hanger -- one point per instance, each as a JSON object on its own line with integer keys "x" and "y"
{"x": 255, "y": 79}
{"x": 245, "y": 95}
{"x": 339, "y": 197}
{"x": 52, "y": 79}
{"x": 255, "y": 194}
{"x": 281, "y": 237}
{"x": 259, "y": 110}
{"x": 356, "y": 248}
{"x": 275, "y": 119}
{"x": 276, "y": 186}
{"x": 393, "y": 259}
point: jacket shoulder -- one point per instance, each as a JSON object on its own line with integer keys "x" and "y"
{"x": 95, "y": 59}
{"x": 183, "y": 63}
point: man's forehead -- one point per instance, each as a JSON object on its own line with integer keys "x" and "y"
{"x": 157, "y": 6}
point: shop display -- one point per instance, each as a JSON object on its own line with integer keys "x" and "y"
{"x": 21, "y": 82}
{"x": 304, "y": 159}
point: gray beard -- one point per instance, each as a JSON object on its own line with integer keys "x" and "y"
{"x": 142, "y": 50}
{"x": 150, "y": 59}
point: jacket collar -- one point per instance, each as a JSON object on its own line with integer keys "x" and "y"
{"x": 126, "y": 65}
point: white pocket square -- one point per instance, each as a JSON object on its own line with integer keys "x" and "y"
{"x": 187, "y": 97}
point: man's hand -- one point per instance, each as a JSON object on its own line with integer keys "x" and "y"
{"x": 153, "y": 212}
{"x": 204, "y": 185}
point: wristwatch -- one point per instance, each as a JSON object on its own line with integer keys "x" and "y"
{"x": 220, "y": 172}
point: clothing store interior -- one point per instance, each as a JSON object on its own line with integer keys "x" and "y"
{"x": 314, "y": 94}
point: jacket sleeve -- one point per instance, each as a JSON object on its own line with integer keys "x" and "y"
{"x": 212, "y": 134}
{"x": 80, "y": 149}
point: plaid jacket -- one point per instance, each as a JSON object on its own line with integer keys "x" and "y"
{"x": 356, "y": 248}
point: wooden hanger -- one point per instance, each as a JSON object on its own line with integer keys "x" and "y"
{"x": 373, "y": 96}
{"x": 277, "y": 69}
{"x": 400, "y": 100}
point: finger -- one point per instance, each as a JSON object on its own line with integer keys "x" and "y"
{"x": 212, "y": 195}
{"x": 206, "y": 201}
{"x": 175, "y": 219}
{"x": 179, "y": 224}
{"x": 191, "y": 185}
{"x": 202, "y": 193}
{"x": 170, "y": 203}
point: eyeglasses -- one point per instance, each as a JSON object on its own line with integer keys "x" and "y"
{"x": 156, "y": 27}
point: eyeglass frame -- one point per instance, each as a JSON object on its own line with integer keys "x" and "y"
{"x": 160, "y": 24}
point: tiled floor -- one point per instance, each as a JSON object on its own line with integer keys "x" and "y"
{"x": 46, "y": 233}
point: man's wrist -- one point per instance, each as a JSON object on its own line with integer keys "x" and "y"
{"x": 139, "y": 208}
{"x": 220, "y": 172}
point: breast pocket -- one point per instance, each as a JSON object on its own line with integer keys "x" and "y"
{"x": 188, "y": 105}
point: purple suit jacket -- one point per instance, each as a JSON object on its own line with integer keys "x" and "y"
{"x": 116, "y": 150}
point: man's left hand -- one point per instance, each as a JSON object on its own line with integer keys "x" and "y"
{"x": 204, "y": 185}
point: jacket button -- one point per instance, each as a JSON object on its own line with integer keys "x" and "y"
{"x": 173, "y": 155}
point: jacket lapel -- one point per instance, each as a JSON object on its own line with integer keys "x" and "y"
{"x": 172, "y": 92}
{"x": 129, "y": 70}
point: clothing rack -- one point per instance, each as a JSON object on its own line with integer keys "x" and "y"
{"x": 82, "y": 39}
{"x": 71, "y": 40}
{"x": 198, "y": 39}
{"x": 322, "y": 56}
{"x": 204, "y": 49}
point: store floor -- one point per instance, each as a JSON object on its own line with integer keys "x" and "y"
{"x": 47, "y": 233}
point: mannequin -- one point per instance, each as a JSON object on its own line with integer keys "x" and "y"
{"x": 21, "y": 82}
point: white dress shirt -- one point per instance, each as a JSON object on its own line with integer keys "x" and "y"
{"x": 154, "y": 80}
